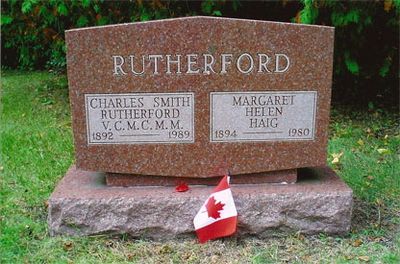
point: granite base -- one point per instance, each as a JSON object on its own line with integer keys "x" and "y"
{"x": 82, "y": 204}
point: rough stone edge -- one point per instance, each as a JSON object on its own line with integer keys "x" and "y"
{"x": 141, "y": 214}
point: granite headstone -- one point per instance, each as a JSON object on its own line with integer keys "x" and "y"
{"x": 189, "y": 99}
{"x": 180, "y": 97}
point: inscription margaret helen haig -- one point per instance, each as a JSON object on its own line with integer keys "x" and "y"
{"x": 262, "y": 116}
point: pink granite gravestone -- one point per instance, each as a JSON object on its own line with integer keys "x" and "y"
{"x": 181, "y": 97}
{"x": 187, "y": 99}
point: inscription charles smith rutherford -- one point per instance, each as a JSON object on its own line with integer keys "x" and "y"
{"x": 254, "y": 95}
{"x": 139, "y": 118}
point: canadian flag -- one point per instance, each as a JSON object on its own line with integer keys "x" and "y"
{"x": 217, "y": 217}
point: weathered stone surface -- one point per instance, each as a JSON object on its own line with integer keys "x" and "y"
{"x": 92, "y": 56}
{"x": 83, "y": 205}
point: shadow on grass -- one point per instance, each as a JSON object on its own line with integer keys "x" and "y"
{"x": 375, "y": 219}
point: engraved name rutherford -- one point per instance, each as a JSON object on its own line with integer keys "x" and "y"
{"x": 206, "y": 64}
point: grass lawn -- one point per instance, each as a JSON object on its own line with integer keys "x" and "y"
{"x": 36, "y": 150}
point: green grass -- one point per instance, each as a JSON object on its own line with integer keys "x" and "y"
{"x": 36, "y": 150}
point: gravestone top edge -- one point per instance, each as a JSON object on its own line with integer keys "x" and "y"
{"x": 191, "y": 18}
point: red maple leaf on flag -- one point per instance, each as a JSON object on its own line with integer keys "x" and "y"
{"x": 213, "y": 208}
